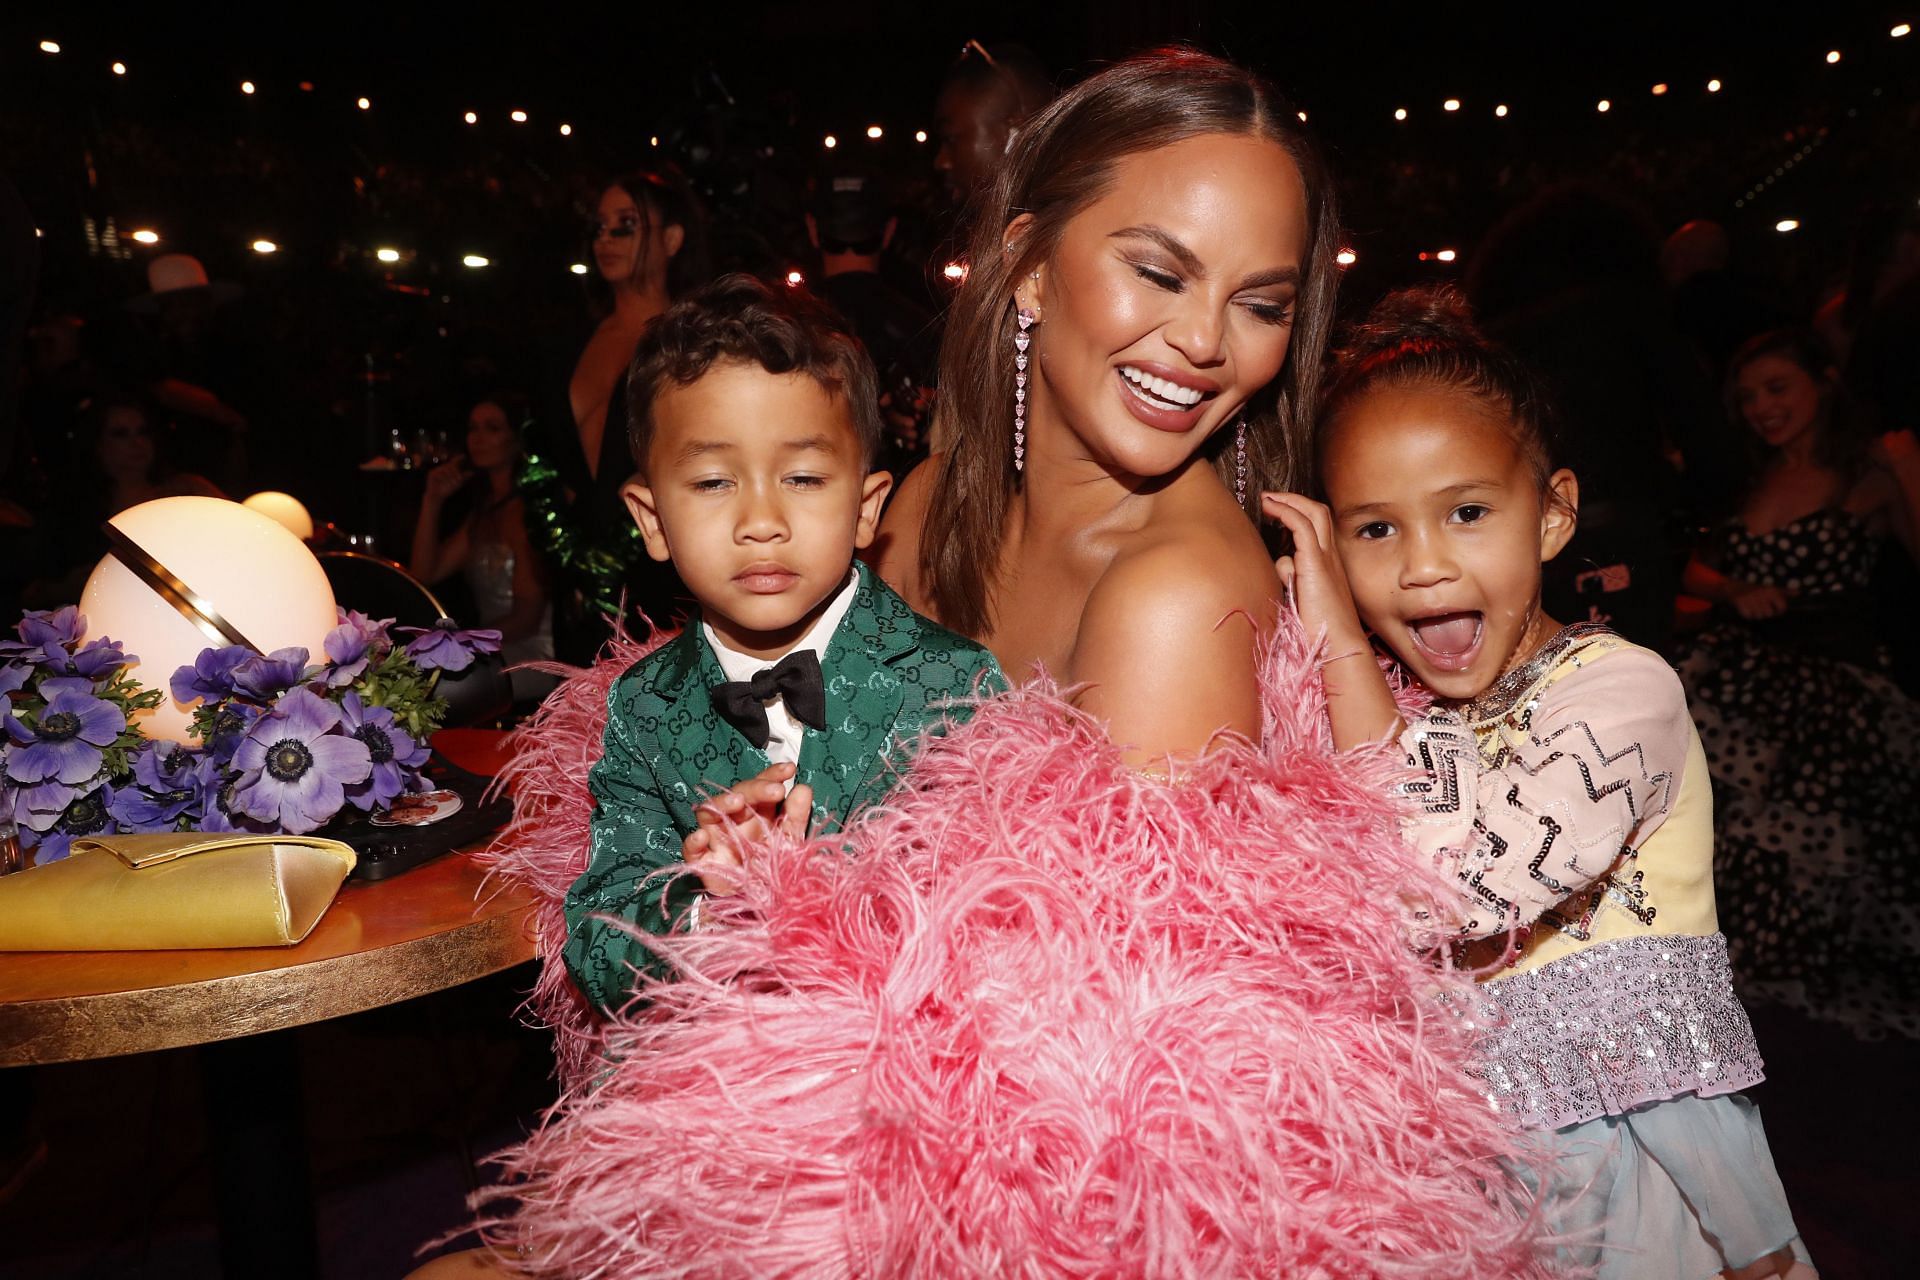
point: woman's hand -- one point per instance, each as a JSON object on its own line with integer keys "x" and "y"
{"x": 747, "y": 811}
{"x": 445, "y": 480}
{"x": 1757, "y": 600}
{"x": 1313, "y": 577}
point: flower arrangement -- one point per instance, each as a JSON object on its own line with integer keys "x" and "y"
{"x": 282, "y": 744}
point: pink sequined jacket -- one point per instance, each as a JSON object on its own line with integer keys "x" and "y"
{"x": 1573, "y": 802}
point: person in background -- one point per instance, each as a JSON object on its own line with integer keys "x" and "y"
{"x": 195, "y": 363}
{"x": 1813, "y": 747}
{"x": 1714, "y": 307}
{"x": 1570, "y": 281}
{"x": 850, "y": 222}
{"x": 489, "y": 546}
{"x": 117, "y": 463}
{"x": 649, "y": 247}
{"x": 988, "y": 93}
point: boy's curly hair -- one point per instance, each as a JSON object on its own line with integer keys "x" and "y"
{"x": 738, "y": 318}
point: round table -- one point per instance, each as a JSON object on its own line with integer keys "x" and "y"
{"x": 379, "y": 943}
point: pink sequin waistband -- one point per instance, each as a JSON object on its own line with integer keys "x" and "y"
{"x": 1614, "y": 1027}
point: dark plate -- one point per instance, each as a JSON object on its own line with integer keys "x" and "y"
{"x": 388, "y": 851}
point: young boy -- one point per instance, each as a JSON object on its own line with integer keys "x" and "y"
{"x": 754, "y": 423}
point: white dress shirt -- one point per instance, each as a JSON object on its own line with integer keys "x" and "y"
{"x": 783, "y": 731}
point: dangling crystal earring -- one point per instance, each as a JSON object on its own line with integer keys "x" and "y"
{"x": 1021, "y": 341}
{"x": 1240, "y": 460}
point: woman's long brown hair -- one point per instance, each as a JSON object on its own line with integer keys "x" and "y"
{"x": 1060, "y": 162}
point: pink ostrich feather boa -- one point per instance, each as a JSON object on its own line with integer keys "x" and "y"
{"x": 1040, "y": 1015}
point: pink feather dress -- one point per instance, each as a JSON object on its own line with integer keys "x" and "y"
{"x": 1039, "y": 1015}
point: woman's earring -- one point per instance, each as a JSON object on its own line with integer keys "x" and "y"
{"x": 1021, "y": 341}
{"x": 1240, "y": 460}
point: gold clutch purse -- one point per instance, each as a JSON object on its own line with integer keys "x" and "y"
{"x": 170, "y": 891}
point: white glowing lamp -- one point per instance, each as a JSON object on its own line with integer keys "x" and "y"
{"x": 284, "y": 509}
{"x": 238, "y": 563}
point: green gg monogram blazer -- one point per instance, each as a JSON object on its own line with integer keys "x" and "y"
{"x": 889, "y": 674}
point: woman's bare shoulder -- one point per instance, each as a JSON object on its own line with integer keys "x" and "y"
{"x": 1166, "y": 646}
{"x": 1191, "y": 571}
{"x": 895, "y": 554}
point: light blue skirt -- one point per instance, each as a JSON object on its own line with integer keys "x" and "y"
{"x": 1675, "y": 1190}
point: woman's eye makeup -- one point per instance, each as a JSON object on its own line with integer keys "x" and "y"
{"x": 1268, "y": 311}
{"x": 1159, "y": 277}
{"x": 620, "y": 229}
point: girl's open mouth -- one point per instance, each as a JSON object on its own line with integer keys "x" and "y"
{"x": 1450, "y": 641}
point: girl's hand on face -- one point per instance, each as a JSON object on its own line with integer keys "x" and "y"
{"x": 1313, "y": 576}
{"x": 1756, "y": 601}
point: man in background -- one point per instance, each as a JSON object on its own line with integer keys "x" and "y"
{"x": 850, "y": 221}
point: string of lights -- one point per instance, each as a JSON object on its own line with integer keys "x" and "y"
{"x": 1402, "y": 114}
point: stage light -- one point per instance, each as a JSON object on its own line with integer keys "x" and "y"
{"x": 475, "y": 260}
{"x": 49, "y": 46}
{"x": 1787, "y": 224}
{"x": 875, "y": 132}
{"x": 830, "y": 142}
{"x": 387, "y": 255}
{"x": 1425, "y": 256}
{"x": 1346, "y": 257}
{"x": 1660, "y": 90}
{"x": 145, "y": 236}
{"x": 1501, "y": 111}
{"x": 566, "y": 131}
{"x": 1833, "y": 56}
{"x": 1713, "y": 86}
{"x": 246, "y": 87}
{"x": 518, "y": 117}
{"x": 472, "y": 117}
{"x": 1399, "y": 113}
{"x": 363, "y": 104}
{"x": 654, "y": 141}
{"x": 1603, "y": 106}
{"x": 795, "y": 279}
{"x": 119, "y": 68}
{"x": 955, "y": 271}
{"x": 306, "y": 86}
{"x": 578, "y": 268}
{"x": 1900, "y": 31}
{"x": 1303, "y": 117}
{"x": 1446, "y": 255}
{"x": 265, "y": 246}
{"x": 919, "y": 135}
{"x": 1451, "y": 104}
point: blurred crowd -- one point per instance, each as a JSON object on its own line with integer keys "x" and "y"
{"x": 359, "y": 376}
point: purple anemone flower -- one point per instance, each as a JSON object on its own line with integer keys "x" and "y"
{"x": 89, "y": 815}
{"x": 266, "y": 677}
{"x": 38, "y": 807}
{"x": 444, "y": 646}
{"x": 297, "y": 768}
{"x": 95, "y": 659}
{"x": 166, "y": 775}
{"x": 397, "y": 758}
{"x": 47, "y": 637}
{"x": 214, "y": 785}
{"x": 65, "y": 742}
{"x": 230, "y": 725}
{"x": 13, "y": 678}
{"x": 211, "y": 675}
{"x": 349, "y": 647}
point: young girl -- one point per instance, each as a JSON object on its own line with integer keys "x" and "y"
{"x": 1560, "y": 778}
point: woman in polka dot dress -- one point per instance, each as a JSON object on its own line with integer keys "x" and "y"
{"x": 1814, "y": 750}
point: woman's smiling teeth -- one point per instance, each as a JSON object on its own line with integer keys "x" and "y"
{"x": 1160, "y": 392}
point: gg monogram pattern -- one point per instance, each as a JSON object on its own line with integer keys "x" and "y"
{"x": 889, "y": 675}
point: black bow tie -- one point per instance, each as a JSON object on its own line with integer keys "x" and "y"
{"x": 795, "y": 680}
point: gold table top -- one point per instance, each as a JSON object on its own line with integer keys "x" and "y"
{"x": 380, "y": 942}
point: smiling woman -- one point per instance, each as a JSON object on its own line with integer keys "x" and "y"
{"x": 1166, "y": 230}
